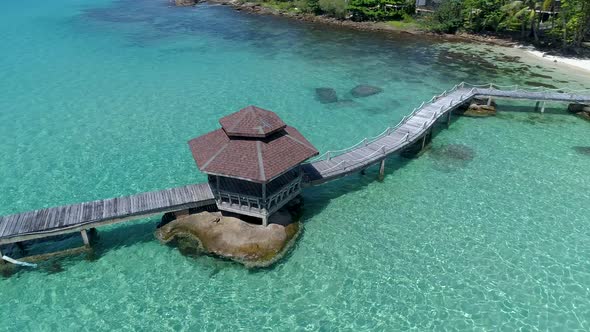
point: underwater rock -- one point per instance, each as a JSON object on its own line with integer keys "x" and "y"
{"x": 585, "y": 150}
{"x": 454, "y": 151}
{"x": 540, "y": 85}
{"x": 365, "y": 91}
{"x": 452, "y": 156}
{"x": 326, "y": 95}
{"x": 476, "y": 110}
{"x": 230, "y": 237}
{"x": 184, "y": 3}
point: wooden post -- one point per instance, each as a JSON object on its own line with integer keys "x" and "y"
{"x": 424, "y": 141}
{"x": 543, "y": 107}
{"x": 449, "y": 118}
{"x": 265, "y": 221}
{"x": 85, "y": 238}
{"x": 382, "y": 170}
{"x": 537, "y": 106}
{"x": 490, "y": 101}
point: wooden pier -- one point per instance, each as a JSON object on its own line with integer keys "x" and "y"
{"x": 80, "y": 217}
{"x": 416, "y": 127}
{"x": 413, "y": 129}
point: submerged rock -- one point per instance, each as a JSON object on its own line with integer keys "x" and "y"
{"x": 580, "y": 110}
{"x": 585, "y": 150}
{"x": 476, "y": 110}
{"x": 230, "y": 237}
{"x": 365, "y": 91}
{"x": 452, "y": 156}
{"x": 326, "y": 95}
{"x": 540, "y": 85}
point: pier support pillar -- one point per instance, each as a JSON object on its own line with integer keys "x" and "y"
{"x": 85, "y": 238}
{"x": 265, "y": 221}
{"x": 424, "y": 141}
{"x": 537, "y": 106}
{"x": 382, "y": 170}
{"x": 543, "y": 108}
{"x": 449, "y": 119}
{"x": 363, "y": 171}
{"x": 490, "y": 101}
{"x": 1, "y": 260}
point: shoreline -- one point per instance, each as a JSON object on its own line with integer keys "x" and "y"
{"x": 533, "y": 52}
{"x": 256, "y": 8}
{"x": 571, "y": 62}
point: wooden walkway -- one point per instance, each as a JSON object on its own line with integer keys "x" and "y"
{"x": 416, "y": 126}
{"x": 77, "y": 217}
{"x": 331, "y": 165}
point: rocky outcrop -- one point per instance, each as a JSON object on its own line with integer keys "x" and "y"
{"x": 365, "y": 91}
{"x": 184, "y": 3}
{"x": 326, "y": 95}
{"x": 229, "y": 237}
{"x": 476, "y": 110}
{"x": 581, "y": 110}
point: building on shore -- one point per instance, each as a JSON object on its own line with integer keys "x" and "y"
{"x": 252, "y": 162}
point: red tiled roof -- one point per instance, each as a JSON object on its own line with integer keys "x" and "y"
{"x": 253, "y": 159}
{"x": 252, "y": 121}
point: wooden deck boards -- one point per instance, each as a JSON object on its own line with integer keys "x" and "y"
{"x": 416, "y": 126}
{"x": 34, "y": 224}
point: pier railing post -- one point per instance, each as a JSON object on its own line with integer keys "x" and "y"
{"x": 85, "y": 238}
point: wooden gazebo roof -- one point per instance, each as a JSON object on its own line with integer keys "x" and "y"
{"x": 253, "y": 144}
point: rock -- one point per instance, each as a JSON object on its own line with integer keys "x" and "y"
{"x": 584, "y": 115}
{"x": 326, "y": 95}
{"x": 451, "y": 157}
{"x": 230, "y": 237}
{"x": 580, "y": 110}
{"x": 184, "y": 3}
{"x": 584, "y": 150}
{"x": 365, "y": 91}
{"x": 476, "y": 110}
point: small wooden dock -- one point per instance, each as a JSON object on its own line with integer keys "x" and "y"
{"x": 80, "y": 217}
{"x": 416, "y": 126}
{"x": 412, "y": 129}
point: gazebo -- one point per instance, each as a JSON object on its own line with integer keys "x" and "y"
{"x": 252, "y": 162}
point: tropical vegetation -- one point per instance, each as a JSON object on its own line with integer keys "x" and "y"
{"x": 563, "y": 23}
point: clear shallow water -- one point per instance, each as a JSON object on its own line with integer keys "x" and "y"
{"x": 99, "y": 98}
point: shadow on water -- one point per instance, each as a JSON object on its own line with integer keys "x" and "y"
{"x": 102, "y": 241}
{"x": 583, "y": 150}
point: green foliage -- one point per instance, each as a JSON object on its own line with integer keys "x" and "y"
{"x": 335, "y": 8}
{"x": 380, "y": 10}
{"x": 447, "y": 18}
{"x": 571, "y": 26}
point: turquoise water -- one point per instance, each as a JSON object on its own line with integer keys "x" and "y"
{"x": 99, "y": 98}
